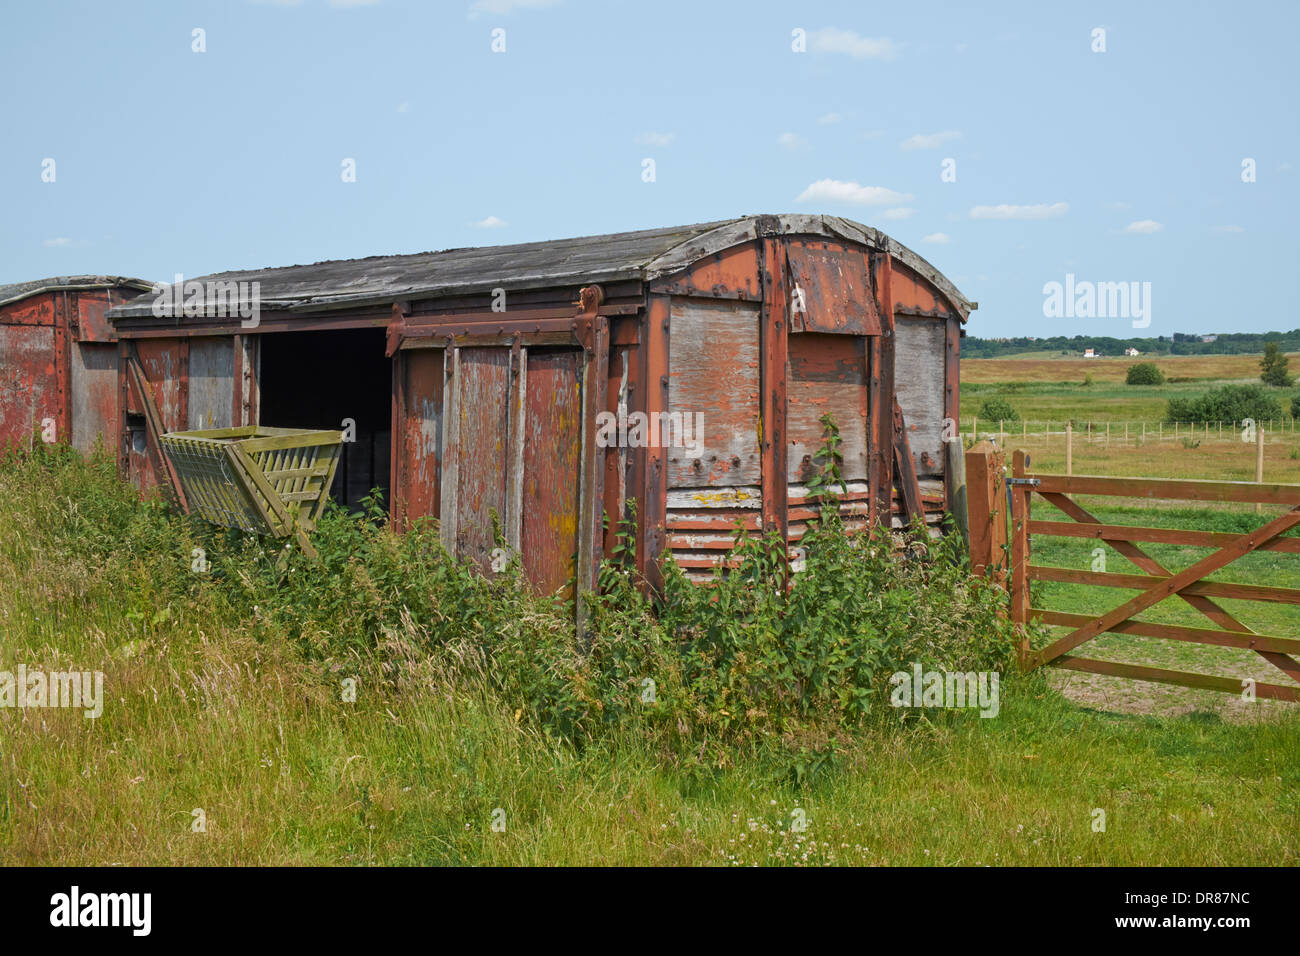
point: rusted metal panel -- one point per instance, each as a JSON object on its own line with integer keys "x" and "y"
{"x": 210, "y": 397}
{"x": 731, "y": 274}
{"x": 712, "y": 428}
{"x": 28, "y": 394}
{"x": 831, "y": 289}
{"x": 920, "y": 377}
{"x": 826, "y": 375}
{"x": 484, "y": 411}
{"x": 34, "y": 311}
{"x": 94, "y": 396}
{"x": 553, "y": 422}
{"x": 914, "y": 295}
{"x": 419, "y": 432}
{"x": 90, "y": 323}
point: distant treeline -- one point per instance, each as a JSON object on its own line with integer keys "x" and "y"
{"x": 1180, "y": 343}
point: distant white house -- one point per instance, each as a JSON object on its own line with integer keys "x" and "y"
{"x": 1131, "y": 351}
{"x": 1090, "y": 353}
{"x": 1209, "y": 338}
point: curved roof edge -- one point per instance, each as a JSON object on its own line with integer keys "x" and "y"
{"x": 17, "y": 291}
{"x": 737, "y": 231}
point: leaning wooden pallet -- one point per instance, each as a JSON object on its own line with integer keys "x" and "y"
{"x": 269, "y": 481}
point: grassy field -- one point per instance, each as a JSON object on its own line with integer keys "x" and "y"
{"x": 1052, "y": 390}
{"x": 213, "y": 707}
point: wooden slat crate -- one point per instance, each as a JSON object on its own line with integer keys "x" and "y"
{"x": 270, "y": 481}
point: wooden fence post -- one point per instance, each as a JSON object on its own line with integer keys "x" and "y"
{"x": 1259, "y": 462}
{"x": 1020, "y": 508}
{"x": 987, "y": 510}
{"x": 1069, "y": 448}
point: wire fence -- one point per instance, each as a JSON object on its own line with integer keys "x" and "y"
{"x": 1131, "y": 432}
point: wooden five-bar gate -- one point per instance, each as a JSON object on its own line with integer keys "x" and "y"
{"x": 1003, "y": 550}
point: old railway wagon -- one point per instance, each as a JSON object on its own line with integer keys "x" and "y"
{"x": 515, "y": 380}
{"x": 58, "y": 360}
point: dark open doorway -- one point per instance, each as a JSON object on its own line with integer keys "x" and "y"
{"x": 318, "y": 379}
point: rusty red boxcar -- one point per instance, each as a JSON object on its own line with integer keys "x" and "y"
{"x": 518, "y": 382}
{"x": 58, "y": 360}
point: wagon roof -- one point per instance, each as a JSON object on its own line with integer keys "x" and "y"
{"x": 646, "y": 254}
{"x": 16, "y": 291}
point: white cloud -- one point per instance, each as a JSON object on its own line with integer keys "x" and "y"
{"x": 656, "y": 139}
{"x": 834, "y": 40}
{"x": 791, "y": 141}
{"x": 1232, "y": 229}
{"x": 491, "y": 222}
{"x": 929, "y": 140}
{"x": 403, "y": 107}
{"x": 502, "y": 7}
{"x": 834, "y": 190}
{"x": 902, "y": 212}
{"x": 938, "y": 238}
{"x": 826, "y": 119}
{"x": 1006, "y": 211}
{"x": 58, "y": 243}
{"x": 1286, "y": 168}
{"x": 352, "y": 3}
{"x": 1118, "y": 205}
{"x": 1143, "y": 227}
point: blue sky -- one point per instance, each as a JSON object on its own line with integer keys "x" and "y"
{"x": 1123, "y": 165}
